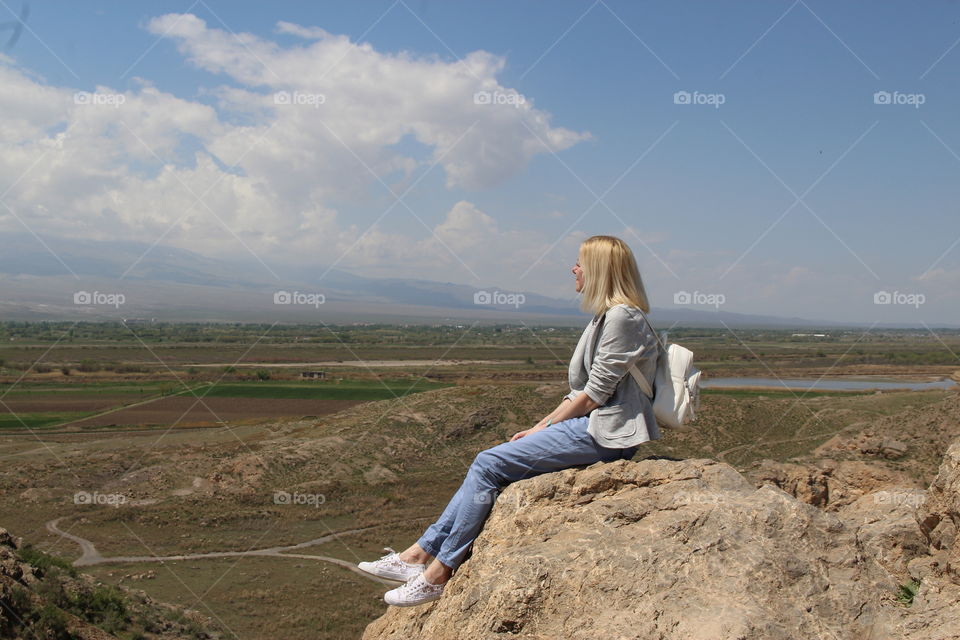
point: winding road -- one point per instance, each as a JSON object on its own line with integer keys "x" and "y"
{"x": 90, "y": 556}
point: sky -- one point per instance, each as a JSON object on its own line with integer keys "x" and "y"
{"x": 781, "y": 158}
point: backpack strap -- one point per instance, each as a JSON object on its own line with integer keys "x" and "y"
{"x": 635, "y": 372}
{"x": 661, "y": 340}
{"x": 644, "y": 385}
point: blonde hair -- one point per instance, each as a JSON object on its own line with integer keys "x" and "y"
{"x": 610, "y": 276}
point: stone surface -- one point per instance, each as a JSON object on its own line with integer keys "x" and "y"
{"x": 692, "y": 550}
{"x": 827, "y": 483}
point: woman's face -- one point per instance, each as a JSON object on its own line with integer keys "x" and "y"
{"x": 578, "y": 275}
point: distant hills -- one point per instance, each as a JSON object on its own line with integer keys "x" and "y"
{"x": 172, "y": 284}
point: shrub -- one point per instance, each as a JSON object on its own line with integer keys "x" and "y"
{"x": 104, "y": 606}
{"x": 44, "y": 561}
{"x": 52, "y": 623}
{"x": 88, "y": 366}
{"x": 907, "y": 592}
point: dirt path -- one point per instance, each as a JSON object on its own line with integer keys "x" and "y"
{"x": 90, "y": 556}
{"x": 350, "y": 363}
{"x": 111, "y": 431}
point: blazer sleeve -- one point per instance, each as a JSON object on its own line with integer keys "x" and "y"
{"x": 623, "y": 341}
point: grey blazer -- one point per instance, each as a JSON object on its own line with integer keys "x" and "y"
{"x": 600, "y": 365}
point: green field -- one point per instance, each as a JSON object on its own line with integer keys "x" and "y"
{"x": 65, "y": 403}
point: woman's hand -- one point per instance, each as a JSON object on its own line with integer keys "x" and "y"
{"x": 526, "y": 432}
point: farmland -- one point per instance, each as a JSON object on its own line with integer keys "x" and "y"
{"x": 185, "y": 444}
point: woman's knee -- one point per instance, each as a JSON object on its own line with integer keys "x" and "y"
{"x": 484, "y": 459}
{"x": 486, "y": 465}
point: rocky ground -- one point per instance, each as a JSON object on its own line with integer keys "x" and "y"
{"x": 385, "y": 469}
{"x": 44, "y": 597}
{"x": 692, "y": 549}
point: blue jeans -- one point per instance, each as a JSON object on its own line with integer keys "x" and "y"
{"x": 559, "y": 446}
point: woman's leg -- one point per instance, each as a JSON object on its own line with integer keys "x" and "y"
{"x": 560, "y": 446}
{"x": 429, "y": 543}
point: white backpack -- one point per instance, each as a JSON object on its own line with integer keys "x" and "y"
{"x": 676, "y": 392}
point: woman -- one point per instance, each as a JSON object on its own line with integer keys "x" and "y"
{"x": 603, "y": 418}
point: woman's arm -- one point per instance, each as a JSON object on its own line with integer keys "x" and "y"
{"x": 579, "y": 406}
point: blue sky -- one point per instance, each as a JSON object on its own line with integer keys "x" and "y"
{"x": 702, "y": 193}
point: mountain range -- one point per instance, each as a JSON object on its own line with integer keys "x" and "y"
{"x": 67, "y": 279}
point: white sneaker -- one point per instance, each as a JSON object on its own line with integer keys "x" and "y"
{"x": 416, "y": 591}
{"x": 392, "y": 567}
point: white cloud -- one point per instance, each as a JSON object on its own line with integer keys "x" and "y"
{"x": 372, "y": 100}
{"x": 466, "y": 227}
{"x": 273, "y": 175}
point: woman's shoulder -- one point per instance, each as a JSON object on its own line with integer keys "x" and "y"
{"x": 626, "y": 316}
{"x": 625, "y": 311}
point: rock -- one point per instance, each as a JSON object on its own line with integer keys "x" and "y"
{"x": 940, "y": 516}
{"x": 8, "y": 540}
{"x": 653, "y": 549}
{"x": 829, "y": 484}
{"x": 892, "y": 449}
{"x": 807, "y": 483}
{"x": 871, "y": 446}
{"x": 689, "y": 550}
{"x": 935, "y": 612}
{"x": 29, "y": 593}
{"x": 36, "y": 494}
{"x": 484, "y": 418}
{"x": 379, "y": 474}
{"x": 886, "y": 530}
